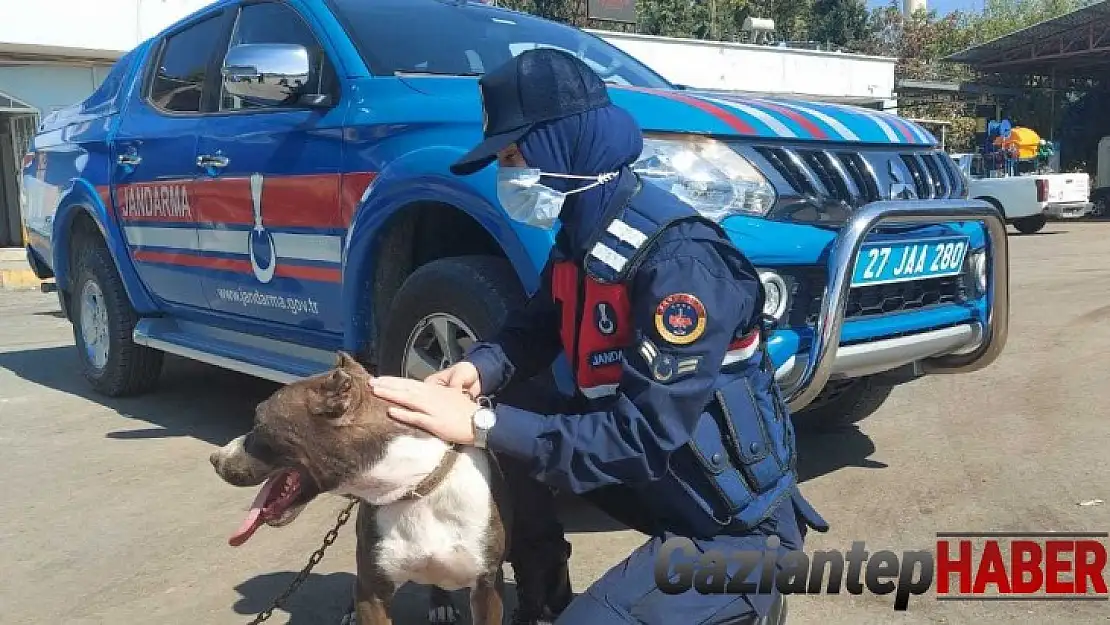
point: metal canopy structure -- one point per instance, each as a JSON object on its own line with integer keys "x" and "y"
{"x": 1076, "y": 44}
{"x": 9, "y": 104}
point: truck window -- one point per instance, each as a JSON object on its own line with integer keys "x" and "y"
{"x": 271, "y": 22}
{"x": 183, "y": 66}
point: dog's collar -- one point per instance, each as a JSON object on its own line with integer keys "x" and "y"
{"x": 436, "y": 477}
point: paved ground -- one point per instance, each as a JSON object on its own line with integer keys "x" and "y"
{"x": 14, "y": 270}
{"x": 111, "y": 512}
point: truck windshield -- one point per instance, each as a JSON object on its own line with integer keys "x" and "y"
{"x": 433, "y": 37}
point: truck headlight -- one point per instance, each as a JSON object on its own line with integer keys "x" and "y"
{"x": 706, "y": 174}
{"x": 776, "y": 291}
{"x": 978, "y": 263}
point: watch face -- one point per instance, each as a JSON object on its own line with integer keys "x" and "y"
{"x": 484, "y": 418}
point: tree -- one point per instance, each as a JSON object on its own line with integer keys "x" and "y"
{"x": 843, "y": 23}
{"x": 674, "y": 18}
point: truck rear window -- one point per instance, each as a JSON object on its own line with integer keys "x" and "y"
{"x": 446, "y": 38}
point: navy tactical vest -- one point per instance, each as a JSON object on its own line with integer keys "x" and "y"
{"x": 740, "y": 464}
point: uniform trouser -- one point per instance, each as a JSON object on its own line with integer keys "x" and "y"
{"x": 538, "y": 550}
{"x": 628, "y": 592}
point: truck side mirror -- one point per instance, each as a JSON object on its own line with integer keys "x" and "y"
{"x": 269, "y": 74}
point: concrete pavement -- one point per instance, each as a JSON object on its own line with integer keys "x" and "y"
{"x": 15, "y": 273}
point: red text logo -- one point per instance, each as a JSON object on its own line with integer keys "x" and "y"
{"x": 1021, "y": 566}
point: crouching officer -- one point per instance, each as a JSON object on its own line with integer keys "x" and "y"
{"x": 681, "y": 431}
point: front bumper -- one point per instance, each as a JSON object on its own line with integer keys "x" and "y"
{"x": 962, "y": 348}
{"x": 861, "y": 359}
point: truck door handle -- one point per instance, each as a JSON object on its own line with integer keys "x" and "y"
{"x": 130, "y": 160}
{"x": 210, "y": 160}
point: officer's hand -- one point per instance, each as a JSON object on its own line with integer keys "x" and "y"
{"x": 461, "y": 375}
{"x": 441, "y": 411}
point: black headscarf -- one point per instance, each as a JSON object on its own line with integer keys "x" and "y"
{"x": 596, "y": 142}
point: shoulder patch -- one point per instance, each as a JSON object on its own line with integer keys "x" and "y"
{"x": 680, "y": 318}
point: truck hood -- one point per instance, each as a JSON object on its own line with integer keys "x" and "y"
{"x": 712, "y": 113}
{"x": 765, "y": 117}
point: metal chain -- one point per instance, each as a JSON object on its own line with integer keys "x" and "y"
{"x": 313, "y": 560}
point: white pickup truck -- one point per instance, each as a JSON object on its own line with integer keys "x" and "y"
{"x": 1028, "y": 201}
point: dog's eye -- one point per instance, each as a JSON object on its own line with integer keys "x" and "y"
{"x": 257, "y": 446}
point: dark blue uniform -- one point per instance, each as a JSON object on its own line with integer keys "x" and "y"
{"x": 677, "y": 419}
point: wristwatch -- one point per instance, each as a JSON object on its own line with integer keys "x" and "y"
{"x": 484, "y": 419}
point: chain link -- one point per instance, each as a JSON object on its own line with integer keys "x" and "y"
{"x": 313, "y": 560}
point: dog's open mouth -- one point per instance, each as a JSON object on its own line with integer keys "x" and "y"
{"x": 279, "y": 501}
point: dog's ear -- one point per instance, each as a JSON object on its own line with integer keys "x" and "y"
{"x": 335, "y": 394}
{"x": 346, "y": 362}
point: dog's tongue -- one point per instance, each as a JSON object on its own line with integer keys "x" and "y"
{"x": 254, "y": 516}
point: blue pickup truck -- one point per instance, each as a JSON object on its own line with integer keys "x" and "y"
{"x": 266, "y": 182}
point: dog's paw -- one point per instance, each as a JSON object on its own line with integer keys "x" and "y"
{"x": 443, "y": 615}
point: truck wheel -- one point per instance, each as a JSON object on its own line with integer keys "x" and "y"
{"x": 849, "y": 405}
{"x": 103, "y": 322}
{"x": 443, "y": 308}
{"x": 1029, "y": 225}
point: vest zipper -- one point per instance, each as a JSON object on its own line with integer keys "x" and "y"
{"x": 580, "y": 287}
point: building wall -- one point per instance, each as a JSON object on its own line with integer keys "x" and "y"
{"x": 50, "y": 87}
{"x": 92, "y": 24}
{"x": 761, "y": 69}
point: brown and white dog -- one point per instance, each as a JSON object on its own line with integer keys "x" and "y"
{"x": 430, "y": 513}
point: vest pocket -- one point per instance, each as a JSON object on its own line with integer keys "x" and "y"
{"x": 779, "y": 422}
{"x": 750, "y": 420}
{"x": 704, "y": 474}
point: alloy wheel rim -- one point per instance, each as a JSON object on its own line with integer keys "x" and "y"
{"x": 438, "y": 341}
{"x": 94, "y": 325}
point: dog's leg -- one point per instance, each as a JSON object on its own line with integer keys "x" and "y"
{"x": 486, "y": 607}
{"x": 442, "y": 611}
{"x": 373, "y": 591}
{"x": 372, "y": 601}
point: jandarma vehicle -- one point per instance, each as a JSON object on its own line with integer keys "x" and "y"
{"x": 266, "y": 182}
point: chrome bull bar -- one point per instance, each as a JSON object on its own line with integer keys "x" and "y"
{"x": 841, "y": 265}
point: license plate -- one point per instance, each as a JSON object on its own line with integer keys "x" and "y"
{"x": 883, "y": 263}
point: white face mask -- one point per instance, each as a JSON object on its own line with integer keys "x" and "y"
{"x": 527, "y": 201}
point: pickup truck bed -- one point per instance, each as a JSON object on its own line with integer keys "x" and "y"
{"x": 1029, "y": 201}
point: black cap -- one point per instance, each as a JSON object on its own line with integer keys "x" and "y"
{"x": 536, "y": 86}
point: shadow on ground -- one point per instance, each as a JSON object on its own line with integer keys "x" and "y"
{"x": 1040, "y": 233}
{"x": 215, "y": 405}
{"x": 192, "y": 399}
{"x": 324, "y": 599}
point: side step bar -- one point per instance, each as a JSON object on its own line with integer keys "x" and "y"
{"x": 264, "y": 358}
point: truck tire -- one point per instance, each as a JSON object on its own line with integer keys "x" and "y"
{"x": 103, "y": 323}
{"x": 1099, "y": 207}
{"x": 472, "y": 295}
{"x": 1029, "y": 225}
{"x": 852, "y": 404}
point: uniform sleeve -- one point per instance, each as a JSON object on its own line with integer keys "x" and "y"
{"x": 527, "y": 343}
{"x": 667, "y": 382}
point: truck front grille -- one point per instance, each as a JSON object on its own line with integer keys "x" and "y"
{"x": 876, "y": 300}
{"x": 835, "y": 177}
